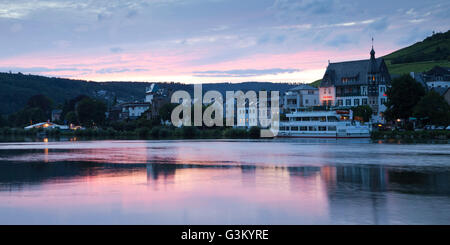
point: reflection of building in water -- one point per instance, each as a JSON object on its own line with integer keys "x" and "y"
{"x": 248, "y": 175}
{"x": 362, "y": 194}
{"x": 359, "y": 188}
{"x": 303, "y": 171}
{"x": 367, "y": 178}
{"x": 437, "y": 183}
{"x": 306, "y": 184}
{"x": 154, "y": 171}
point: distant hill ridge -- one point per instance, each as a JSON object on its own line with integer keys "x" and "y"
{"x": 17, "y": 88}
{"x": 421, "y": 56}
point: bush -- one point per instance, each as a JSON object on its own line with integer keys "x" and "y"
{"x": 164, "y": 133}
{"x": 155, "y": 132}
{"x": 235, "y": 133}
{"x": 254, "y": 132}
{"x": 142, "y": 132}
{"x": 189, "y": 132}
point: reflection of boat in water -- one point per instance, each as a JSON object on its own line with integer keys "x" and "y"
{"x": 322, "y": 124}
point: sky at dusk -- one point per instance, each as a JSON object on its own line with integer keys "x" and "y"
{"x": 194, "y": 41}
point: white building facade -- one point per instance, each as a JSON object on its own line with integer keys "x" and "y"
{"x": 302, "y": 96}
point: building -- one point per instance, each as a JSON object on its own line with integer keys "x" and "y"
{"x": 154, "y": 99}
{"x": 300, "y": 97}
{"x": 353, "y": 83}
{"x": 56, "y": 115}
{"x": 150, "y": 92}
{"x": 438, "y": 77}
{"x": 47, "y": 125}
{"x": 133, "y": 110}
{"x": 251, "y": 114}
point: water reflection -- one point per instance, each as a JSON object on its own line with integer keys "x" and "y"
{"x": 139, "y": 182}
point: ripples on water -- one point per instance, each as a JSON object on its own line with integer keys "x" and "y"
{"x": 224, "y": 182}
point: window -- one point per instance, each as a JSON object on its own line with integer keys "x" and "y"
{"x": 322, "y": 128}
{"x": 332, "y": 119}
{"x": 348, "y": 102}
{"x": 382, "y": 101}
{"x": 303, "y": 128}
{"x": 306, "y": 102}
{"x": 312, "y": 128}
{"x": 331, "y": 128}
{"x": 356, "y": 102}
{"x": 294, "y": 128}
{"x": 364, "y": 101}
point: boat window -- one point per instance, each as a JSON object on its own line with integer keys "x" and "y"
{"x": 322, "y": 128}
{"x": 298, "y": 119}
{"x": 323, "y": 119}
{"x": 312, "y": 128}
{"x": 331, "y": 128}
{"x": 304, "y": 128}
{"x": 314, "y": 119}
{"x": 294, "y": 128}
{"x": 305, "y": 119}
{"x": 332, "y": 119}
{"x": 282, "y": 128}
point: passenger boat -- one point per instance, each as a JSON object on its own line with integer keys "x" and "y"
{"x": 322, "y": 124}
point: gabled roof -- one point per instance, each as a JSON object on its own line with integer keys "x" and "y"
{"x": 419, "y": 78}
{"x": 438, "y": 70}
{"x": 350, "y": 69}
{"x": 355, "y": 72}
{"x": 441, "y": 90}
{"x": 153, "y": 88}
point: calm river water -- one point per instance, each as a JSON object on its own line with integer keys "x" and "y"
{"x": 224, "y": 182}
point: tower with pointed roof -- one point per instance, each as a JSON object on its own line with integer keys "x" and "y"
{"x": 354, "y": 83}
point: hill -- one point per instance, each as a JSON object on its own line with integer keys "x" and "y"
{"x": 421, "y": 56}
{"x": 17, "y": 88}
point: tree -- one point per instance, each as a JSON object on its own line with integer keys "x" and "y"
{"x": 3, "y": 121}
{"x": 28, "y": 116}
{"x": 70, "y": 105}
{"x": 90, "y": 112}
{"x": 71, "y": 117}
{"x": 433, "y": 108}
{"x": 165, "y": 111}
{"x": 40, "y": 101}
{"x": 363, "y": 111}
{"x": 402, "y": 97}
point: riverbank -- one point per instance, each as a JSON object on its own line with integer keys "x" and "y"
{"x": 158, "y": 132}
{"x": 166, "y": 132}
{"x": 412, "y": 135}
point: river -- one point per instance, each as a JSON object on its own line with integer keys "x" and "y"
{"x": 224, "y": 182}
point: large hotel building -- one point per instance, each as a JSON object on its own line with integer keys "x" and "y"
{"x": 354, "y": 83}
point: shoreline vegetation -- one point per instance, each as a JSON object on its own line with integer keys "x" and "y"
{"x": 157, "y": 132}
{"x": 170, "y": 132}
{"x": 413, "y": 135}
